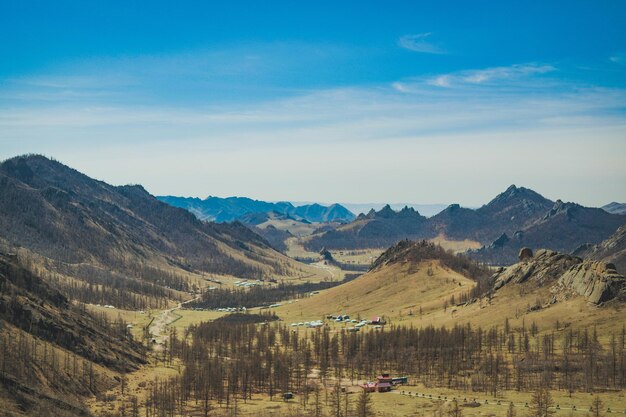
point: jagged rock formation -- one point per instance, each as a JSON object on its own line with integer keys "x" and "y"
{"x": 525, "y": 254}
{"x": 597, "y": 281}
{"x": 612, "y": 250}
{"x": 516, "y": 218}
{"x": 375, "y": 229}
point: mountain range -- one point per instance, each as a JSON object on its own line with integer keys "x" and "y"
{"x": 229, "y": 209}
{"x": 515, "y": 218}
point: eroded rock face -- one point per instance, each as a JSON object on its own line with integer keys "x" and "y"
{"x": 597, "y": 281}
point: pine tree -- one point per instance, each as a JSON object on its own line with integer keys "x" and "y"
{"x": 596, "y": 407}
{"x": 510, "y": 412}
{"x": 541, "y": 404}
{"x": 364, "y": 404}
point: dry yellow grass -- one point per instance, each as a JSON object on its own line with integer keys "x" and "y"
{"x": 394, "y": 292}
{"x": 399, "y": 292}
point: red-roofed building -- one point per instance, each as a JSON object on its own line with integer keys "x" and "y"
{"x": 369, "y": 386}
{"x": 383, "y": 386}
{"x": 384, "y": 378}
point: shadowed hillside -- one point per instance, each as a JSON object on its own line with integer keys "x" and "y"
{"x": 563, "y": 228}
{"x": 53, "y": 354}
{"x": 104, "y": 234}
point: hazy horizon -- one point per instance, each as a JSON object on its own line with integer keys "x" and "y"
{"x": 327, "y": 102}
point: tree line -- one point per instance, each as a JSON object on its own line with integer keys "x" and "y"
{"x": 260, "y": 295}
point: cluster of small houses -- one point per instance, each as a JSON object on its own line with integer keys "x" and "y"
{"x": 230, "y": 309}
{"x": 105, "y": 306}
{"x": 247, "y": 284}
{"x": 377, "y": 322}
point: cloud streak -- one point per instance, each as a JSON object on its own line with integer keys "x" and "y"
{"x": 491, "y": 75}
{"x": 419, "y": 43}
{"x": 619, "y": 58}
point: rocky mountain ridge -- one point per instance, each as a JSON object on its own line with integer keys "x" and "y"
{"x": 237, "y": 208}
{"x": 515, "y": 218}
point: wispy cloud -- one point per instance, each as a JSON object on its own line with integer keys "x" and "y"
{"x": 410, "y": 130}
{"x": 490, "y": 75}
{"x": 419, "y": 43}
{"x": 619, "y": 58}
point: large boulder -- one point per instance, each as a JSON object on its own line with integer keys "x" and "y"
{"x": 525, "y": 254}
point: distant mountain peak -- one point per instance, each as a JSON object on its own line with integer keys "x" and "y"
{"x": 615, "y": 208}
{"x": 386, "y": 212}
{"x": 514, "y": 193}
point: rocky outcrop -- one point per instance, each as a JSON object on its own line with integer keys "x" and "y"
{"x": 612, "y": 250}
{"x": 597, "y": 281}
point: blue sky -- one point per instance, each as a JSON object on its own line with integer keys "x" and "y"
{"x": 328, "y": 101}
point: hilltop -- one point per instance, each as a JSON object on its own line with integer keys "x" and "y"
{"x": 235, "y": 208}
{"x": 407, "y": 278}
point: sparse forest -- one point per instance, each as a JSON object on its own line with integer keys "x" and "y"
{"x": 225, "y": 362}
{"x": 261, "y": 295}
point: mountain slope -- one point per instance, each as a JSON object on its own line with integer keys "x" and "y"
{"x": 82, "y": 223}
{"x": 515, "y": 218}
{"x": 407, "y": 278}
{"x": 233, "y": 208}
{"x": 377, "y": 229}
{"x": 53, "y": 353}
{"x": 612, "y": 250}
{"x": 615, "y": 208}
{"x": 564, "y": 228}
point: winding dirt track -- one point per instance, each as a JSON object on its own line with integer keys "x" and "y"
{"x": 160, "y": 323}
